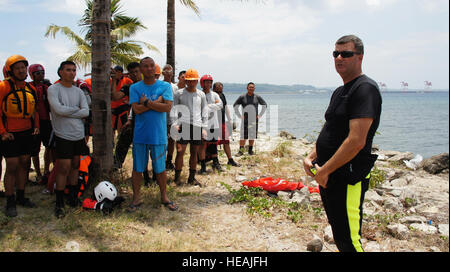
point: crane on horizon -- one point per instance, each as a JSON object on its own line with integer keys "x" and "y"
{"x": 404, "y": 86}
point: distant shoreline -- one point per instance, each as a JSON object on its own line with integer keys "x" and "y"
{"x": 266, "y": 87}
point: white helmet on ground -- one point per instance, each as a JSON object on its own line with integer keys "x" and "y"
{"x": 105, "y": 189}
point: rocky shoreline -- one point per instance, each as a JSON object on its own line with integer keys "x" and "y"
{"x": 410, "y": 201}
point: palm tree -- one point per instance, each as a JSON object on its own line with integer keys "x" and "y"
{"x": 171, "y": 29}
{"x": 123, "y": 51}
{"x": 102, "y": 139}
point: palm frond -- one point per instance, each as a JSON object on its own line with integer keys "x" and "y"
{"x": 127, "y": 47}
{"x": 191, "y": 4}
{"x": 124, "y": 27}
{"x": 122, "y": 59}
{"x": 82, "y": 56}
{"x": 53, "y": 29}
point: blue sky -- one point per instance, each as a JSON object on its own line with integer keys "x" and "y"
{"x": 272, "y": 41}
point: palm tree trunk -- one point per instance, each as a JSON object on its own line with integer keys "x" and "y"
{"x": 171, "y": 35}
{"x": 101, "y": 110}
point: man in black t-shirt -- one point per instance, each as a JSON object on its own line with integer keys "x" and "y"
{"x": 341, "y": 160}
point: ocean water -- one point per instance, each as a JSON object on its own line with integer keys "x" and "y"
{"x": 410, "y": 121}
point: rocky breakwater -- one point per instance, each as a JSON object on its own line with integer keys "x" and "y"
{"x": 407, "y": 206}
{"x": 411, "y": 201}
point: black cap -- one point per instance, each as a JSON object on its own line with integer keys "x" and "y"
{"x": 118, "y": 68}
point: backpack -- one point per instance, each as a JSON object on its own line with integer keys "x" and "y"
{"x": 83, "y": 176}
{"x": 19, "y": 103}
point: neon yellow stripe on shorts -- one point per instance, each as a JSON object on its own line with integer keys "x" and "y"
{"x": 353, "y": 203}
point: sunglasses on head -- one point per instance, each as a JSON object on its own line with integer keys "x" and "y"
{"x": 344, "y": 54}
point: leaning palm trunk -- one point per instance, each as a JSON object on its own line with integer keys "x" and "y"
{"x": 101, "y": 110}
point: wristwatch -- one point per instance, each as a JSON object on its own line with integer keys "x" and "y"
{"x": 146, "y": 102}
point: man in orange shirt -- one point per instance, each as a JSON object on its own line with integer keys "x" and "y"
{"x": 18, "y": 123}
{"x": 119, "y": 108}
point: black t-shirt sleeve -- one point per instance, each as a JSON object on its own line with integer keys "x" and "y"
{"x": 365, "y": 102}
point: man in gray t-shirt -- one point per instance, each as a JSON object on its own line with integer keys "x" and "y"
{"x": 192, "y": 124}
{"x": 68, "y": 107}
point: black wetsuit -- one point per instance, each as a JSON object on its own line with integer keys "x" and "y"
{"x": 249, "y": 126}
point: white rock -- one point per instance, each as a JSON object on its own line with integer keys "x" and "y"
{"x": 372, "y": 195}
{"x": 413, "y": 219}
{"x": 328, "y": 235}
{"x": 429, "y": 229}
{"x": 241, "y": 178}
{"x": 300, "y": 198}
{"x": 399, "y": 231}
{"x": 401, "y": 157}
{"x": 409, "y": 193}
{"x": 443, "y": 229}
{"x": 73, "y": 246}
{"x": 372, "y": 246}
{"x": 286, "y": 196}
{"x": 399, "y": 182}
{"x": 393, "y": 203}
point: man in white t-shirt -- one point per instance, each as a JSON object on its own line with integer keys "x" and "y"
{"x": 210, "y": 143}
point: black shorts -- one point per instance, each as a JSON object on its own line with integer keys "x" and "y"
{"x": 36, "y": 145}
{"x": 21, "y": 145}
{"x": 194, "y": 137}
{"x": 66, "y": 149}
{"x": 45, "y": 129}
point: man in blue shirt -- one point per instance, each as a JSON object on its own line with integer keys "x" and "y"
{"x": 150, "y": 99}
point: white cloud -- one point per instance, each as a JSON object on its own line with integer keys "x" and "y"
{"x": 66, "y": 6}
{"x": 277, "y": 41}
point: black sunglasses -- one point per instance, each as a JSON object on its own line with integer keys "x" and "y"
{"x": 344, "y": 54}
{"x": 39, "y": 72}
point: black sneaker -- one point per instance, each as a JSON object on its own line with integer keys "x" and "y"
{"x": 240, "y": 153}
{"x": 73, "y": 202}
{"x": 202, "y": 170}
{"x": 59, "y": 212}
{"x": 217, "y": 167}
{"x": 250, "y": 152}
{"x": 169, "y": 166}
{"x": 26, "y": 202}
{"x": 194, "y": 182}
{"x": 11, "y": 211}
{"x": 233, "y": 163}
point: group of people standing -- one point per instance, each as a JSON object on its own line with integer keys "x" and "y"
{"x": 157, "y": 116}
{"x": 40, "y": 112}
{"x": 167, "y": 116}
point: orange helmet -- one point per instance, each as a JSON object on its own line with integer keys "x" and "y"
{"x": 191, "y": 74}
{"x": 205, "y": 77}
{"x": 13, "y": 60}
{"x": 157, "y": 69}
